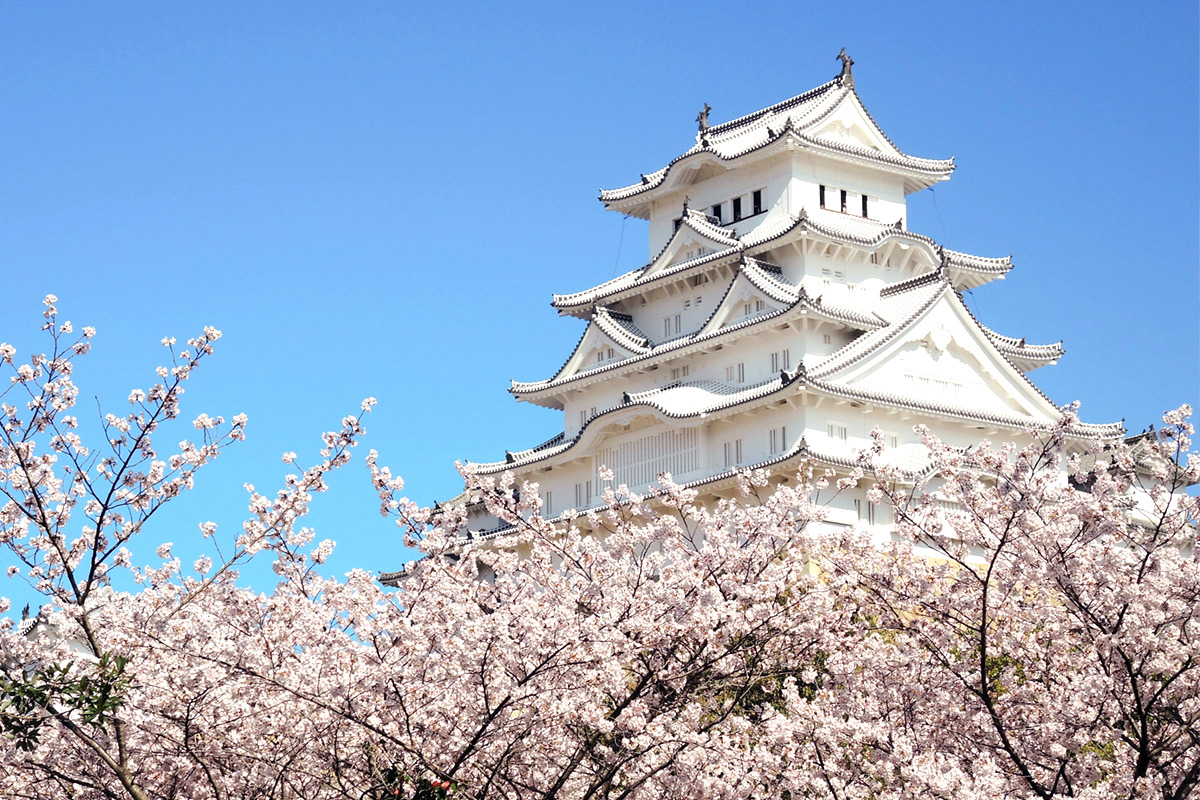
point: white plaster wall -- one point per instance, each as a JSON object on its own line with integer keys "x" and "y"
{"x": 693, "y": 303}
{"x": 771, "y": 174}
{"x": 753, "y": 351}
{"x": 959, "y": 368}
{"x": 806, "y": 416}
{"x": 809, "y": 171}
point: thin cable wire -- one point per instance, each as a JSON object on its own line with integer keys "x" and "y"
{"x": 620, "y": 242}
{"x": 969, "y": 293}
{"x": 941, "y": 224}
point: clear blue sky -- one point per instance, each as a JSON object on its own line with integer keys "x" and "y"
{"x": 379, "y": 198}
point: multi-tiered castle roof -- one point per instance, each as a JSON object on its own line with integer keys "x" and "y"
{"x": 786, "y": 311}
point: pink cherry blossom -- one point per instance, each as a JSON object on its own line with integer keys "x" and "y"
{"x": 1031, "y": 631}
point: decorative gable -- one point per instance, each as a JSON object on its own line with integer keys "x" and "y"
{"x": 849, "y": 124}
{"x": 595, "y": 349}
{"x": 942, "y": 358}
{"x": 695, "y": 238}
{"x": 743, "y": 301}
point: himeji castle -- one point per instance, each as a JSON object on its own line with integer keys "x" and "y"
{"x": 785, "y": 311}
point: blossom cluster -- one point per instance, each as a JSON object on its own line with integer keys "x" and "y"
{"x": 1031, "y": 630}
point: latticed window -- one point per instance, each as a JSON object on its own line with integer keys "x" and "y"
{"x": 865, "y": 511}
{"x": 781, "y": 360}
{"x": 843, "y": 200}
{"x": 640, "y": 462}
{"x": 733, "y": 453}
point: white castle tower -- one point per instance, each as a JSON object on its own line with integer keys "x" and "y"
{"x": 786, "y": 310}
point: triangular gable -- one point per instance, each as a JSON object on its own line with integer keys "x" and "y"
{"x": 942, "y": 357}
{"x": 693, "y": 239}
{"x": 732, "y": 308}
{"x": 584, "y": 357}
{"x": 848, "y": 123}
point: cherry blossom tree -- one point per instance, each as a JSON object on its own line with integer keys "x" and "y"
{"x": 1021, "y": 634}
{"x": 1057, "y": 627}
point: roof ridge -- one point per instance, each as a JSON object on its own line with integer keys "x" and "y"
{"x": 855, "y": 392}
{"x": 782, "y": 105}
{"x": 839, "y": 359}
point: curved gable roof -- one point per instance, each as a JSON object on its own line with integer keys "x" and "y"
{"x": 804, "y": 119}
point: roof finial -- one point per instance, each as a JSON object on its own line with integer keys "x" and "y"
{"x": 846, "y": 79}
{"x": 702, "y": 121}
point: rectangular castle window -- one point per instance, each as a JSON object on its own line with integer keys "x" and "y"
{"x": 733, "y": 453}
{"x": 737, "y": 209}
{"x": 756, "y": 202}
{"x": 716, "y": 211}
{"x": 781, "y": 360}
{"x": 778, "y": 440}
{"x": 829, "y": 276}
